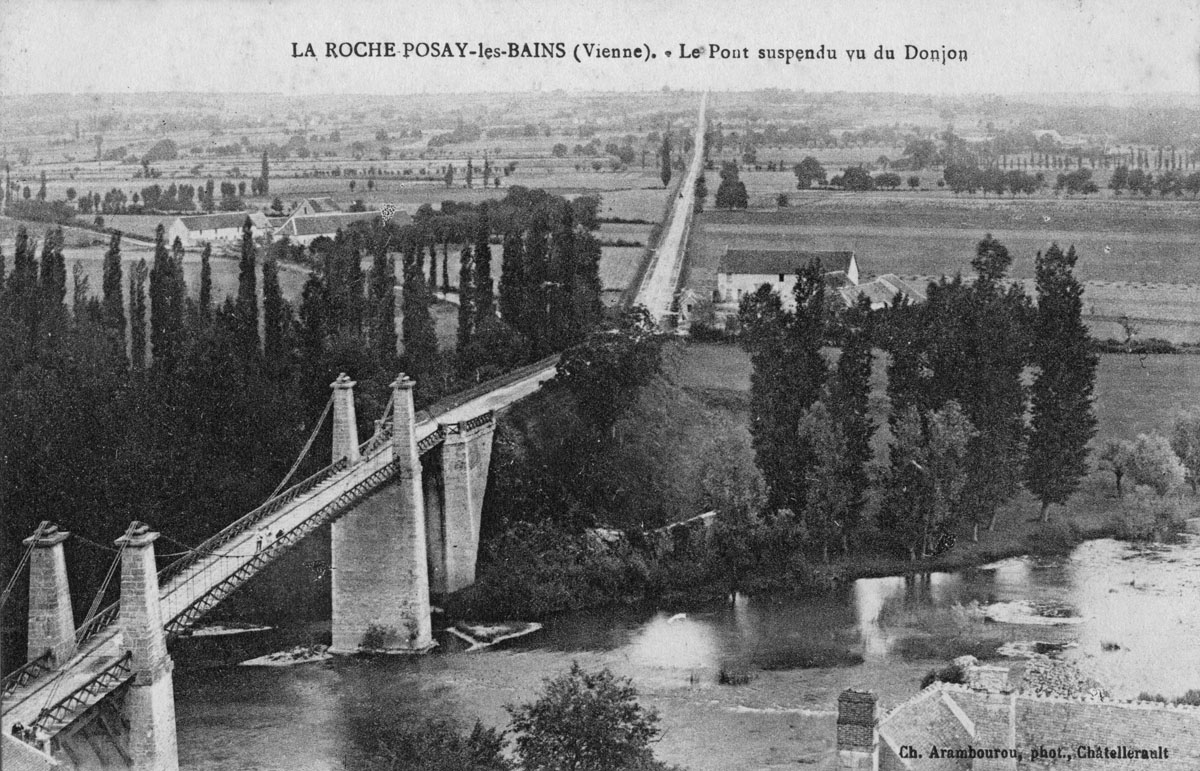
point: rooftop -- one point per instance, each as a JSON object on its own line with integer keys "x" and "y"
{"x": 765, "y": 262}
{"x": 224, "y": 221}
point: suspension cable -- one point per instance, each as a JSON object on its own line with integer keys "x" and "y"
{"x": 12, "y": 581}
{"x": 112, "y": 569}
{"x": 304, "y": 452}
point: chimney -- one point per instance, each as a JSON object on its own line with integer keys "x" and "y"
{"x": 858, "y": 731}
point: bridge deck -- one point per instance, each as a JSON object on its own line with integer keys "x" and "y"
{"x": 197, "y": 580}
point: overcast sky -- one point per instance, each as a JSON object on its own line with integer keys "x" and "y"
{"x": 1013, "y": 45}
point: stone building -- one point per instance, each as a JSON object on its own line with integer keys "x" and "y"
{"x": 743, "y": 271}
{"x": 987, "y": 725}
{"x": 212, "y": 228}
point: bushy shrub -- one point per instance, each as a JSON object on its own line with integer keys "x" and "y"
{"x": 1191, "y": 698}
{"x": 1146, "y": 517}
{"x": 1053, "y": 538}
{"x": 950, "y": 674}
{"x": 438, "y": 746}
{"x": 586, "y": 721}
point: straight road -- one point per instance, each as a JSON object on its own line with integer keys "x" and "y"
{"x": 657, "y": 291}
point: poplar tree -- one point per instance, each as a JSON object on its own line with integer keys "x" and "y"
{"x": 1064, "y": 420}
{"x": 265, "y": 184}
{"x": 276, "y": 315}
{"x": 482, "y": 291}
{"x": 466, "y": 293}
{"x": 534, "y": 321}
{"x": 989, "y": 385}
{"x": 587, "y": 307}
{"x": 52, "y": 314}
{"x": 560, "y": 287}
{"x": 206, "y": 285}
{"x": 137, "y": 315}
{"x": 421, "y": 359}
{"x": 23, "y": 291}
{"x": 114, "y": 302}
{"x": 314, "y": 317}
{"x": 166, "y": 306}
{"x": 246, "y": 306}
{"x": 787, "y": 379}
{"x": 849, "y": 404}
{"x": 665, "y": 158}
{"x": 383, "y": 306}
{"x": 513, "y": 279}
{"x": 433, "y": 263}
{"x": 54, "y": 269}
{"x": 807, "y": 365}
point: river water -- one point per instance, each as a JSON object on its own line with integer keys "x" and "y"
{"x": 882, "y": 633}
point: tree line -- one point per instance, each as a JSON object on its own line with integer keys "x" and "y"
{"x": 150, "y": 400}
{"x": 961, "y": 445}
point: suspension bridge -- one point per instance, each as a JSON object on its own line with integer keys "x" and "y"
{"x": 404, "y": 508}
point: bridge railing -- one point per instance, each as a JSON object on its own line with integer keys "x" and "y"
{"x": 447, "y": 403}
{"x": 381, "y": 437}
{"x": 181, "y": 621}
{"x": 67, "y": 708}
{"x": 98, "y": 623}
{"x": 26, "y": 673}
{"x": 248, "y": 521}
{"x": 433, "y": 440}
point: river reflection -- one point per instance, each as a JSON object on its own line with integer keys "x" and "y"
{"x": 800, "y": 651}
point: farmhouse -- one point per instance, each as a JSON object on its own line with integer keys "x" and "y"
{"x": 743, "y": 271}
{"x": 192, "y": 231}
{"x": 882, "y": 291}
{"x": 987, "y": 725}
{"x": 304, "y": 229}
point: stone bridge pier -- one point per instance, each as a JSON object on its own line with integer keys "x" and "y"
{"x": 416, "y": 536}
{"x": 51, "y": 621}
{"x": 150, "y": 701}
{"x": 380, "y": 573}
{"x": 454, "y": 503}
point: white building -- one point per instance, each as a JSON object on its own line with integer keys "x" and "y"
{"x": 226, "y": 226}
{"x": 882, "y": 291}
{"x": 743, "y": 271}
{"x": 306, "y": 228}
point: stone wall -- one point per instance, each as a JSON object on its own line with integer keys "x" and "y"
{"x": 1141, "y": 725}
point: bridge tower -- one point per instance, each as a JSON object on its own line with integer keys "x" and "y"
{"x": 380, "y": 572}
{"x": 150, "y": 702}
{"x": 466, "y": 456}
{"x": 51, "y": 623}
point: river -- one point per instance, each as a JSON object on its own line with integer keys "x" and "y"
{"x": 799, "y": 652}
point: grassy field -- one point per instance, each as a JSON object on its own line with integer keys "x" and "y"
{"x": 1138, "y": 258}
{"x": 1134, "y": 394}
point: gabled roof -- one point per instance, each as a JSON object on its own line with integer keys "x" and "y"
{"x": 882, "y": 290}
{"x": 324, "y": 223}
{"x": 225, "y": 221}
{"x": 764, "y": 262}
